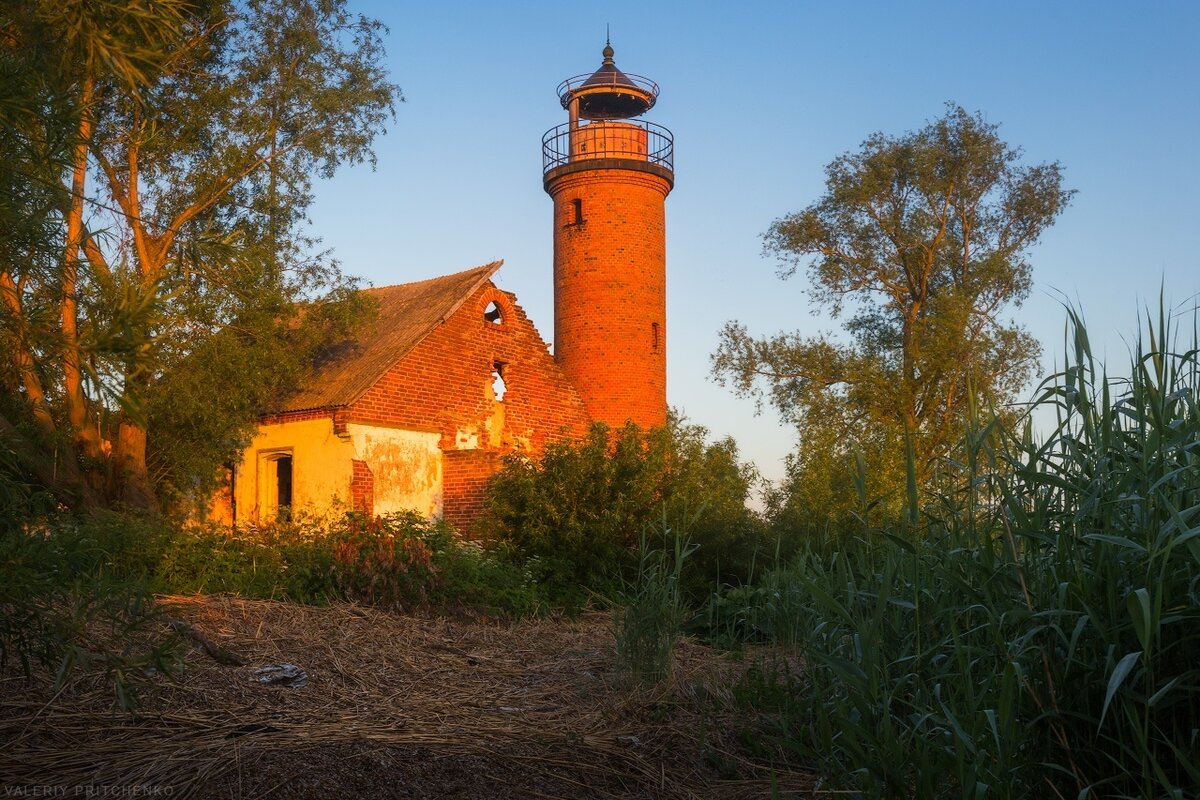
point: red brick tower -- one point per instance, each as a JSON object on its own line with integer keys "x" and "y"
{"x": 609, "y": 176}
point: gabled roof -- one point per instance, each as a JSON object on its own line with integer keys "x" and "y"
{"x": 408, "y": 313}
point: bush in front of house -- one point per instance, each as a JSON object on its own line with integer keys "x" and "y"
{"x": 397, "y": 561}
{"x": 574, "y": 519}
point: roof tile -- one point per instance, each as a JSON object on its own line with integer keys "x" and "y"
{"x": 408, "y": 312}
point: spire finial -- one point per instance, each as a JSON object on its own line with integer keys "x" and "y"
{"x": 608, "y": 51}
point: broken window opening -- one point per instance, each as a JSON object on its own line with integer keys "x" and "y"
{"x": 275, "y": 486}
{"x": 498, "y": 386}
{"x": 577, "y": 204}
{"x": 654, "y": 334}
{"x": 493, "y": 314}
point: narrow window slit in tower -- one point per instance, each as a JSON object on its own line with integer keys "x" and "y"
{"x": 492, "y": 314}
{"x": 498, "y": 387}
{"x": 654, "y": 334}
{"x": 578, "y": 206}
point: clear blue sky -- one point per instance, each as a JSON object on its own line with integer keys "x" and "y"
{"x": 760, "y": 97}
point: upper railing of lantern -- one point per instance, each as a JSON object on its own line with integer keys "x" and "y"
{"x": 633, "y": 140}
{"x": 595, "y": 79}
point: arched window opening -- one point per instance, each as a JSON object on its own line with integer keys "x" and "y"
{"x": 577, "y": 205}
{"x": 493, "y": 314}
{"x": 499, "y": 388}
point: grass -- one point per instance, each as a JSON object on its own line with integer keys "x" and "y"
{"x": 1034, "y": 629}
{"x": 651, "y": 609}
{"x": 1030, "y": 626}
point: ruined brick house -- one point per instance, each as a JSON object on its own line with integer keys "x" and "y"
{"x": 417, "y": 412}
{"x": 420, "y": 410}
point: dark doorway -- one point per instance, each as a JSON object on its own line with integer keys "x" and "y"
{"x": 283, "y": 484}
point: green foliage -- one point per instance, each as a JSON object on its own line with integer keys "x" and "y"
{"x": 920, "y": 242}
{"x": 575, "y": 516}
{"x": 125, "y": 43}
{"x": 482, "y": 578}
{"x": 64, "y": 606}
{"x": 177, "y": 259}
{"x": 35, "y": 127}
{"x": 399, "y": 561}
{"x": 256, "y": 360}
{"x": 1039, "y": 631}
{"x": 249, "y": 302}
{"x": 705, "y": 493}
{"x": 651, "y": 607}
{"x": 826, "y": 485}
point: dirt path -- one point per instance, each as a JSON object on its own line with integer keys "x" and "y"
{"x": 395, "y": 706}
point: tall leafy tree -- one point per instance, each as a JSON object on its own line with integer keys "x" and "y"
{"x": 51, "y": 57}
{"x": 34, "y": 135}
{"x": 183, "y": 235}
{"x": 920, "y": 244}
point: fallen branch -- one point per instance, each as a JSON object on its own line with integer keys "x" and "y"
{"x": 212, "y": 650}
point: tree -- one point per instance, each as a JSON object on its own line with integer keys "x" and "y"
{"x": 51, "y": 55}
{"x": 921, "y": 244}
{"x": 200, "y": 127}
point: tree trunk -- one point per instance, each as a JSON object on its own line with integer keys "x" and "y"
{"x": 131, "y": 478}
{"x": 86, "y": 435}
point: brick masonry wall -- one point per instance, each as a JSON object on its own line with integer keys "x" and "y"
{"x": 610, "y": 291}
{"x": 362, "y": 487}
{"x": 298, "y": 416}
{"x": 444, "y": 385}
{"x": 466, "y": 475}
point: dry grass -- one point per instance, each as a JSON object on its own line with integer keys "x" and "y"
{"x": 395, "y": 707}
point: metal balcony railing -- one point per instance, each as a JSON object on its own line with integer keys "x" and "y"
{"x": 629, "y": 140}
{"x": 616, "y": 78}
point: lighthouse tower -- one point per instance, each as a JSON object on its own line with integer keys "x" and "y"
{"x": 609, "y": 175}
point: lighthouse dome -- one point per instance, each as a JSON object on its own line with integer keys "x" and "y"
{"x": 609, "y": 93}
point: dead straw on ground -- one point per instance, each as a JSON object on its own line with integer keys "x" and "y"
{"x": 395, "y": 706}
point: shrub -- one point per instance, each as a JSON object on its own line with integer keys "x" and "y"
{"x": 574, "y": 517}
{"x": 399, "y": 561}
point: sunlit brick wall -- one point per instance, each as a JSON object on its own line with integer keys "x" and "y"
{"x": 444, "y": 385}
{"x": 362, "y": 487}
{"x": 610, "y": 291}
{"x": 466, "y": 476}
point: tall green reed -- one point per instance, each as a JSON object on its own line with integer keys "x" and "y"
{"x": 1037, "y": 627}
{"x": 652, "y": 605}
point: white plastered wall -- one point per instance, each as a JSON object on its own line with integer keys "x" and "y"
{"x": 407, "y": 466}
